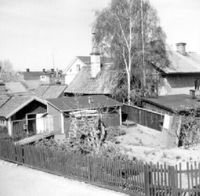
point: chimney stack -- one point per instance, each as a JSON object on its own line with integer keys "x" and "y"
{"x": 27, "y": 70}
{"x": 181, "y": 48}
{"x": 95, "y": 58}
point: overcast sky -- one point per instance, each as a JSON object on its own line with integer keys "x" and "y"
{"x": 34, "y": 33}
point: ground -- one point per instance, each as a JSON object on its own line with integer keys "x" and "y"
{"x": 146, "y": 144}
{"x": 19, "y": 180}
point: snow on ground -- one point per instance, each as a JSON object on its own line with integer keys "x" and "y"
{"x": 146, "y": 144}
{"x": 22, "y": 181}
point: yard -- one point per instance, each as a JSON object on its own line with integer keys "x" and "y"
{"x": 146, "y": 144}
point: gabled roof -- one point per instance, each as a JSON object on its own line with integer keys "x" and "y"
{"x": 67, "y": 104}
{"x": 182, "y": 64}
{"x": 15, "y": 103}
{"x": 102, "y": 84}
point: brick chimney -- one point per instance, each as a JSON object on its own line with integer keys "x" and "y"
{"x": 95, "y": 58}
{"x": 181, "y": 48}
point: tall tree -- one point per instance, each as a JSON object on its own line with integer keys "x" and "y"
{"x": 129, "y": 31}
{"x": 7, "y": 72}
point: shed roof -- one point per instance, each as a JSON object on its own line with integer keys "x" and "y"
{"x": 67, "y": 104}
{"x": 174, "y": 103}
{"x": 15, "y": 103}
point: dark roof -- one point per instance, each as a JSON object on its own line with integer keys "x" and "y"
{"x": 50, "y": 91}
{"x": 104, "y": 83}
{"x": 180, "y": 64}
{"x": 15, "y": 103}
{"x": 83, "y": 102}
{"x": 174, "y": 103}
{"x": 33, "y": 75}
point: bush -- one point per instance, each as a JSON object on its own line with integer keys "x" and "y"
{"x": 113, "y": 132}
{"x": 190, "y": 130}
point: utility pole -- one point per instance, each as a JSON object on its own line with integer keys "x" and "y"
{"x": 143, "y": 50}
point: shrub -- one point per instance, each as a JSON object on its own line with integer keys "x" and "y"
{"x": 113, "y": 132}
{"x": 190, "y": 129}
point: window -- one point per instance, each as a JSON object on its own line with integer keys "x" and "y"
{"x": 2, "y": 122}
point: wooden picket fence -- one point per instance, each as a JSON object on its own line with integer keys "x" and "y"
{"x": 133, "y": 178}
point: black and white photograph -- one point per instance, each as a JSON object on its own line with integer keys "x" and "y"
{"x": 100, "y": 97}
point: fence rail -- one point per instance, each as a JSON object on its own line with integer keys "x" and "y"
{"x": 134, "y": 178}
{"x": 144, "y": 117}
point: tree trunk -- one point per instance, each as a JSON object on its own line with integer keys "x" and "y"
{"x": 129, "y": 87}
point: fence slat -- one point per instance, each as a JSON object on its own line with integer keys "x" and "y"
{"x": 126, "y": 176}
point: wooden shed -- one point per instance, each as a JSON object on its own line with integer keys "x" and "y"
{"x": 61, "y": 108}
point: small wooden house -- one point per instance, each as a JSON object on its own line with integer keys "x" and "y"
{"x": 19, "y": 113}
{"x": 61, "y": 108}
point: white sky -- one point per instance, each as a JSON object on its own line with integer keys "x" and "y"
{"x": 32, "y": 32}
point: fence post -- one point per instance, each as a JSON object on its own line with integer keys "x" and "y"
{"x": 89, "y": 169}
{"x": 23, "y": 154}
{"x": 140, "y": 117}
{"x": 147, "y": 180}
{"x": 172, "y": 179}
{"x": 15, "y": 151}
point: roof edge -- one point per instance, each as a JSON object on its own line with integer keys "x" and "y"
{"x": 24, "y": 104}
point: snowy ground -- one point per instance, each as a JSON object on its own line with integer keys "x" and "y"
{"x": 22, "y": 181}
{"x": 146, "y": 144}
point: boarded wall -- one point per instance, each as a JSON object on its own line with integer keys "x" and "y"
{"x": 143, "y": 117}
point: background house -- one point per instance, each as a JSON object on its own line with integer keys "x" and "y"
{"x": 81, "y": 62}
{"x": 180, "y": 75}
{"x": 84, "y": 84}
{"x": 19, "y": 113}
{"x": 61, "y": 108}
{"x": 32, "y": 79}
